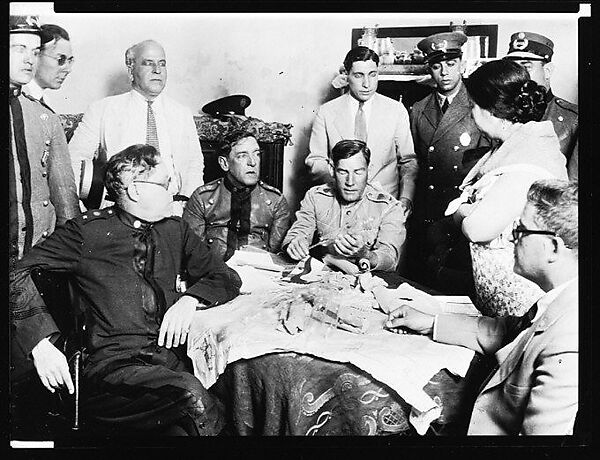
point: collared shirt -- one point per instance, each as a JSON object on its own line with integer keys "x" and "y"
{"x": 34, "y": 90}
{"x": 353, "y": 107}
{"x": 441, "y": 98}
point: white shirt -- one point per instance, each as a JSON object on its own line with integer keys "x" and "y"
{"x": 353, "y": 107}
{"x": 34, "y": 90}
{"x": 116, "y": 122}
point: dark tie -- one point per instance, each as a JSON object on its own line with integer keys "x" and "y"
{"x": 445, "y": 105}
{"x": 360, "y": 123}
{"x": 238, "y": 228}
{"x": 151, "y": 134}
{"x": 18, "y": 128}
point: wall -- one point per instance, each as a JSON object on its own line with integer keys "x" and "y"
{"x": 284, "y": 62}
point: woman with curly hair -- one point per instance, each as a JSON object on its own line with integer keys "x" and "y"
{"x": 507, "y": 107}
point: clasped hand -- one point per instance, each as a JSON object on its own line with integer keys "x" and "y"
{"x": 349, "y": 245}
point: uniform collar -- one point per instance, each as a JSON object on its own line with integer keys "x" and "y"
{"x": 133, "y": 221}
{"x": 34, "y": 90}
{"x": 549, "y": 96}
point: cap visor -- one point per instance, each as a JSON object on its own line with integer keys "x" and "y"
{"x": 524, "y": 55}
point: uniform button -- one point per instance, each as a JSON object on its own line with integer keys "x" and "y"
{"x": 455, "y": 148}
{"x": 44, "y": 234}
{"x": 431, "y": 148}
{"x": 264, "y": 246}
{"x": 268, "y": 202}
{"x": 84, "y": 216}
{"x": 137, "y": 224}
{"x": 210, "y": 201}
{"x": 455, "y": 167}
{"x": 266, "y": 225}
{"x": 44, "y": 174}
{"x": 47, "y": 142}
{"x": 431, "y": 187}
{"x": 348, "y": 212}
{"x": 97, "y": 213}
{"x": 45, "y": 203}
{"x": 210, "y": 240}
{"x": 110, "y": 211}
{"x": 560, "y": 118}
{"x": 431, "y": 168}
{"x": 456, "y": 187}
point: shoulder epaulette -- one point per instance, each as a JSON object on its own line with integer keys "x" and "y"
{"x": 269, "y": 187}
{"x": 567, "y": 105}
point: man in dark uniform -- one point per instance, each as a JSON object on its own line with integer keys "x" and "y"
{"x": 128, "y": 261}
{"x": 42, "y": 190}
{"x": 447, "y": 144}
{"x": 238, "y": 209}
{"x": 534, "y": 52}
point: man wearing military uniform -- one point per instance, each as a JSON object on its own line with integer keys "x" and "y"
{"x": 356, "y": 224}
{"x": 534, "y": 52}
{"x": 238, "y": 209}
{"x": 42, "y": 190}
{"x": 447, "y": 144}
{"x": 128, "y": 262}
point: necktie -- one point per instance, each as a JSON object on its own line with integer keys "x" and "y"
{"x": 151, "y": 134}
{"x": 238, "y": 228}
{"x": 445, "y": 105}
{"x": 360, "y": 123}
{"x": 21, "y": 147}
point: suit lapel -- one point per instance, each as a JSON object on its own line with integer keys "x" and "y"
{"x": 344, "y": 119}
{"x": 431, "y": 113}
{"x": 458, "y": 110}
{"x": 376, "y": 125}
{"x": 556, "y": 310}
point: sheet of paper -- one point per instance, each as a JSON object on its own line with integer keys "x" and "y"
{"x": 458, "y": 305}
{"x": 255, "y": 258}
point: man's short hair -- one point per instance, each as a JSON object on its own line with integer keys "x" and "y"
{"x": 231, "y": 139}
{"x": 51, "y": 33}
{"x": 556, "y": 203}
{"x": 360, "y": 53}
{"x": 123, "y": 168}
{"x": 347, "y": 148}
{"x": 130, "y": 52}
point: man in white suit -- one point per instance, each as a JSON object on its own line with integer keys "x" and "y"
{"x": 143, "y": 116}
{"x": 365, "y": 115}
{"x": 534, "y": 387}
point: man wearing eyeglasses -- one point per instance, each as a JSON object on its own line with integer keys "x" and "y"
{"x": 239, "y": 209}
{"x": 533, "y": 389}
{"x": 42, "y": 191}
{"x": 127, "y": 261}
{"x": 142, "y": 116}
{"x": 54, "y": 63}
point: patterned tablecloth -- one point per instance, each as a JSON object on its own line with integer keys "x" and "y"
{"x": 294, "y": 394}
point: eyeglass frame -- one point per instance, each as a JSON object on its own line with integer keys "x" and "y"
{"x": 519, "y": 230}
{"x": 63, "y": 57}
{"x": 166, "y": 187}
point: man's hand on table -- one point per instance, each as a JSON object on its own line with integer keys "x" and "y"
{"x": 298, "y": 248}
{"x": 176, "y": 322}
{"x": 52, "y": 367}
{"x": 409, "y": 318}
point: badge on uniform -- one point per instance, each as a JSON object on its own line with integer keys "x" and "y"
{"x": 464, "y": 139}
{"x": 44, "y": 159}
{"x": 180, "y": 284}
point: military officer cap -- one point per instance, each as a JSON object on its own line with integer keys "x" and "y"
{"x": 24, "y": 25}
{"x": 228, "y": 105}
{"x": 530, "y": 46}
{"x": 443, "y": 46}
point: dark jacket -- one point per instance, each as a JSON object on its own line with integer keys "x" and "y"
{"x": 124, "y": 309}
{"x": 565, "y": 118}
{"x": 447, "y": 147}
{"x": 208, "y": 213}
